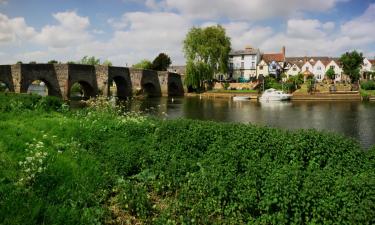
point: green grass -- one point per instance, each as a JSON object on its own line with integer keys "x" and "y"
{"x": 102, "y": 167}
{"x": 233, "y": 91}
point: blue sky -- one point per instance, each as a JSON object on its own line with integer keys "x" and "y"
{"x": 126, "y": 31}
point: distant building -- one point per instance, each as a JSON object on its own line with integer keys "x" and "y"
{"x": 243, "y": 64}
{"x": 273, "y": 62}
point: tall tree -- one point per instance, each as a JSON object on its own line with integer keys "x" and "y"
{"x": 89, "y": 61}
{"x": 351, "y": 63}
{"x": 330, "y": 74}
{"x": 161, "y": 62}
{"x": 143, "y": 64}
{"x": 207, "y": 53}
{"x": 52, "y": 61}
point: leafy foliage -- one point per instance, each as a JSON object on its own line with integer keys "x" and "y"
{"x": 143, "y": 64}
{"x": 102, "y": 166}
{"x": 330, "y": 74}
{"x": 89, "y": 61}
{"x": 207, "y": 53}
{"x": 351, "y": 62}
{"x": 52, "y": 61}
{"x": 368, "y": 85}
{"x": 161, "y": 62}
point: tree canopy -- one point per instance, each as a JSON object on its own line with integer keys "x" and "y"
{"x": 207, "y": 53}
{"x": 330, "y": 74}
{"x": 161, "y": 62}
{"x": 143, "y": 64}
{"x": 351, "y": 63}
{"x": 90, "y": 60}
{"x": 52, "y": 61}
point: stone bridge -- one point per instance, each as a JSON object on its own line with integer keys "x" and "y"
{"x": 94, "y": 80}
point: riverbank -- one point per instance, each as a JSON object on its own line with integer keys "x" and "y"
{"x": 101, "y": 166}
{"x": 337, "y": 96}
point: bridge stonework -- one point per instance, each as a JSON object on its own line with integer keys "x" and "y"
{"x": 95, "y": 80}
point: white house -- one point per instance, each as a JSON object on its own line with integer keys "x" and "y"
{"x": 262, "y": 69}
{"x": 367, "y": 67}
{"x": 334, "y": 64}
{"x": 293, "y": 70}
{"x": 243, "y": 63}
{"x": 319, "y": 70}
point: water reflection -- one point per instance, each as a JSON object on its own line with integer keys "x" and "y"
{"x": 354, "y": 119}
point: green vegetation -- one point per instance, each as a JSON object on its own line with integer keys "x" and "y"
{"x": 100, "y": 166}
{"x": 330, "y": 74}
{"x": 86, "y": 60}
{"x": 161, "y": 62}
{"x": 207, "y": 53}
{"x": 351, "y": 63}
{"x": 368, "y": 85}
{"x": 143, "y": 64}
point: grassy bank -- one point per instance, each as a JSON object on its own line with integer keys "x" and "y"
{"x": 99, "y": 166}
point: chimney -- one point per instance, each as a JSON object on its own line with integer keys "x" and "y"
{"x": 283, "y": 50}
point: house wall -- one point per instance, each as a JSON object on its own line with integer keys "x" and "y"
{"x": 293, "y": 71}
{"x": 264, "y": 71}
{"x": 337, "y": 69}
{"x": 319, "y": 70}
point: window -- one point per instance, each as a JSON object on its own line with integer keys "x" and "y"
{"x": 261, "y": 67}
{"x": 242, "y": 74}
{"x": 242, "y": 65}
{"x": 252, "y": 65}
{"x": 319, "y": 68}
{"x": 307, "y": 68}
{"x": 274, "y": 67}
{"x": 332, "y": 67}
{"x": 318, "y": 77}
{"x": 294, "y": 69}
{"x": 242, "y": 57}
{"x": 230, "y": 65}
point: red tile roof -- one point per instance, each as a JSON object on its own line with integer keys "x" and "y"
{"x": 277, "y": 57}
{"x": 372, "y": 61}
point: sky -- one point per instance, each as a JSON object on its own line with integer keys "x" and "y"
{"x": 127, "y": 31}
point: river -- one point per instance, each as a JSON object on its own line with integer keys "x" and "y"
{"x": 352, "y": 119}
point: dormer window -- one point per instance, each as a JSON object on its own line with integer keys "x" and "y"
{"x": 319, "y": 68}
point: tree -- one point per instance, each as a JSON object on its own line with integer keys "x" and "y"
{"x": 52, "y": 61}
{"x": 89, "y": 61}
{"x": 32, "y": 62}
{"x": 330, "y": 74}
{"x": 207, "y": 53}
{"x": 161, "y": 62}
{"x": 143, "y": 64}
{"x": 351, "y": 62}
{"x": 107, "y": 63}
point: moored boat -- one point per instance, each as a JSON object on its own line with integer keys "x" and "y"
{"x": 274, "y": 95}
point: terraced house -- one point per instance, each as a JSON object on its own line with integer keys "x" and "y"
{"x": 243, "y": 64}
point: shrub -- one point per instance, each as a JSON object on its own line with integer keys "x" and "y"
{"x": 368, "y": 85}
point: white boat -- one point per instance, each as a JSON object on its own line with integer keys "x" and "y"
{"x": 241, "y": 98}
{"x": 274, "y": 95}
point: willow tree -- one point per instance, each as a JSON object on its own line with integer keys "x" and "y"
{"x": 207, "y": 53}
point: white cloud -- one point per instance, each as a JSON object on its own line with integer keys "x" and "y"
{"x": 307, "y": 29}
{"x": 3, "y": 2}
{"x": 14, "y": 29}
{"x": 245, "y": 9}
{"x": 141, "y": 35}
{"x": 362, "y": 26}
{"x": 71, "y": 30}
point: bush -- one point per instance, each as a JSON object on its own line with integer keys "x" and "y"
{"x": 102, "y": 166}
{"x": 368, "y": 85}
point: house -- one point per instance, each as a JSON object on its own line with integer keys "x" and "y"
{"x": 335, "y": 65}
{"x": 243, "y": 64}
{"x": 276, "y": 62}
{"x": 367, "y": 68}
{"x": 293, "y": 70}
{"x": 319, "y": 70}
{"x": 262, "y": 69}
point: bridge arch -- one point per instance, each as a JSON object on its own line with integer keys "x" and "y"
{"x": 52, "y": 90}
{"x": 120, "y": 85}
{"x": 81, "y": 89}
{"x": 150, "y": 84}
{"x": 5, "y": 86}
